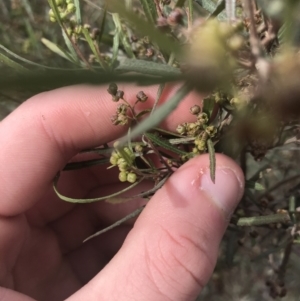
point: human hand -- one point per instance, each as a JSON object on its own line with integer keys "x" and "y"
{"x": 168, "y": 255}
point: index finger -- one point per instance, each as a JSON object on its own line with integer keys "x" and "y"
{"x": 45, "y": 132}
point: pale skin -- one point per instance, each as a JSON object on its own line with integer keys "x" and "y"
{"x": 169, "y": 254}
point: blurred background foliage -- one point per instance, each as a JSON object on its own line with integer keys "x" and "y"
{"x": 243, "y": 54}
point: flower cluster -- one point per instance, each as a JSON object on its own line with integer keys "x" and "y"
{"x": 124, "y": 159}
{"x": 198, "y": 129}
{"x": 65, "y": 8}
{"x": 121, "y": 117}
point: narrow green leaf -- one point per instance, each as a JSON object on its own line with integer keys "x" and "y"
{"x": 84, "y": 201}
{"x": 40, "y": 81}
{"x": 145, "y": 194}
{"x": 161, "y": 112}
{"x": 118, "y": 223}
{"x": 264, "y": 220}
{"x": 218, "y": 9}
{"x": 33, "y": 38}
{"x": 292, "y": 203}
{"x": 215, "y": 10}
{"x": 122, "y": 36}
{"x": 292, "y": 209}
{"x": 32, "y": 63}
{"x": 93, "y": 48}
{"x": 9, "y": 62}
{"x": 116, "y": 41}
{"x": 212, "y": 159}
{"x": 149, "y": 8}
{"x": 164, "y": 143}
{"x": 56, "y": 49}
{"x": 147, "y": 67}
{"x": 78, "y": 12}
{"x": 73, "y": 55}
{"x": 208, "y": 105}
{"x": 85, "y": 164}
{"x": 281, "y": 34}
{"x": 158, "y": 96}
{"x": 28, "y": 9}
{"x": 183, "y": 140}
{"x": 254, "y": 185}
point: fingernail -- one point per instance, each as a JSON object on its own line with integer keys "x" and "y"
{"x": 227, "y": 189}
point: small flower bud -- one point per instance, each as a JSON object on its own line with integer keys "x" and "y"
{"x": 122, "y": 109}
{"x": 123, "y": 166}
{"x": 112, "y": 89}
{"x": 139, "y": 148}
{"x": 195, "y": 150}
{"x": 202, "y": 118}
{"x": 201, "y": 146}
{"x": 71, "y": 8}
{"x": 120, "y": 94}
{"x": 131, "y": 177}
{"x": 51, "y": 13}
{"x": 181, "y": 129}
{"x": 69, "y": 31}
{"x": 211, "y": 131}
{"x": 63, "y": 15}
{"x": 123, "y": 119}
{"x": 113, "y": 160}
{"x": 191, "y": 126}
{"x": 78, "y": 29}
{"x": 121, "y": 161}
{"x": 123, "y": 176}
{"x": 195, "y": 110}
{"x": 52, "y": 19}
{"x": 141, "y": 96}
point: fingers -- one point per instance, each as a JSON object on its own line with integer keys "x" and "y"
{"x": 40, "y": 136}
{"x": 172, "y": 249}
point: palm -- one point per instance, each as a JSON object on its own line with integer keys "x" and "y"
{"x": 44, "y": 254}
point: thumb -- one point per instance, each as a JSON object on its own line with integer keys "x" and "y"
{"x": 171, "y": 252}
